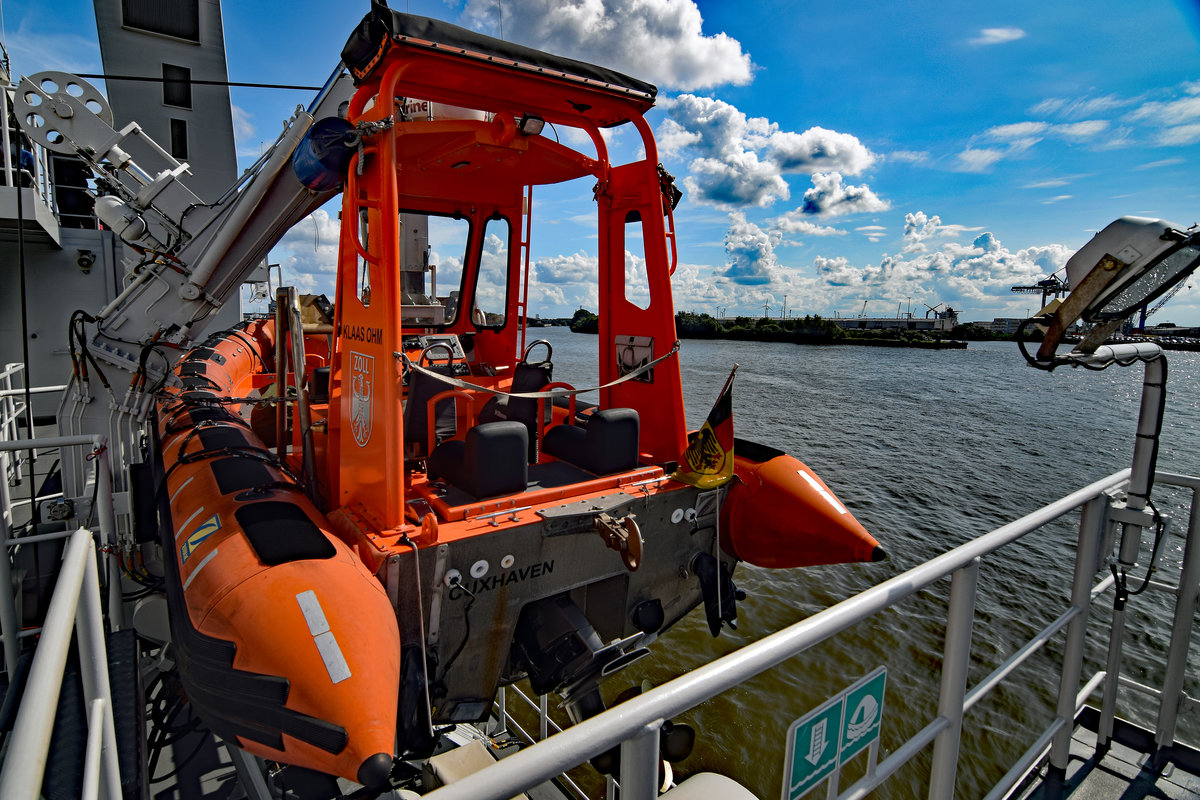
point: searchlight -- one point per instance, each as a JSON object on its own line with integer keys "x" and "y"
{"x": 1124, "y": 267}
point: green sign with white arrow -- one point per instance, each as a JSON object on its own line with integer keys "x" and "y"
{"x": 830, "y": 735}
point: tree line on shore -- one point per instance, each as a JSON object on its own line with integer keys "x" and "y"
{"x": 809, "y": 329}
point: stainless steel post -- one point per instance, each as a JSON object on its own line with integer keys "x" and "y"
{"x": 957, "y": 657}
{"x": 502, "y": 709}
{"x": 543, "y": 717}
{"x": 299, "y": 373}
{"x": 93, "y": 753}
{"x": 93, "y": 663}
{"x": 1112, "y": 666}
{"x": 639, "y": 764}
{"x": 282, "y": 302}
{"x": 1092, "y": 521}
{"x": 108, "y": 535}
{"x": 1141, "y": 481}
{"x": 1145, "y": 449}
{"x": 8, "y": 606}
{"x": 1181, "y": 630}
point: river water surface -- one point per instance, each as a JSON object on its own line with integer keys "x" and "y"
{"x": 928, "y": 449}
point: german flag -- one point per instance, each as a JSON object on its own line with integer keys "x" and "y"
{"x": 708, "y": 460}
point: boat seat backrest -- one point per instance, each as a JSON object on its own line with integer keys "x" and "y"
{"x": 489, "y": 462}
{"x": 607, "y": 444}
{"x": 421, "y": 387}
{"x": 527, "y": 377}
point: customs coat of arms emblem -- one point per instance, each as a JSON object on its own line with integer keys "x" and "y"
{"x": 362, "y": 382}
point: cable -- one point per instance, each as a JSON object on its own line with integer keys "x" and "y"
{"x": 198, "y": 82}
{"x": 1159, "y": 530}
{"x": 1021, "y": 340}
{"x": 457, "y": 583}
{"x": 1121, "y": 593}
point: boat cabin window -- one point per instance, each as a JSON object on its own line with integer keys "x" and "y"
{"x": 432, "y": 251}
{"x": 491, "y": 287}
{"x": 637, "y": 283}
{"x": 362, "y": 284}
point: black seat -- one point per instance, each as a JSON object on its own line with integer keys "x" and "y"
{"x": 490, "y": 462}
{"x": 421, "y": 388}
{"x": 528, "y": 376}
{"x": 606, "y": 445}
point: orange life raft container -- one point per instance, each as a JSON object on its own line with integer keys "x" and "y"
{"x": 780, "y": 514}
{"x": 287, "y": 643}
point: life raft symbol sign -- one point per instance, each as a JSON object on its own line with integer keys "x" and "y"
{"x": 362, "y": 384}
{"x": 194, "y": 539}
{"x": 827, "y": 737}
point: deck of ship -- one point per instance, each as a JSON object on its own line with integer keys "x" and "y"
{"x": 1126, "y": 768}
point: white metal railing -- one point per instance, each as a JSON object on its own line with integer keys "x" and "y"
{"x": 103, "y": 508}
{"x": 12, "y": 407}
{"x": 75, "y": 605}
{"x": 11, "y": 155}
{"x": 634, "y": 724}
{"x": 509, "y": 723}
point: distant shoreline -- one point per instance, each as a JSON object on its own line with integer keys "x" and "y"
{"x": 933, "y": 344}
{"x": 806, "y": 330}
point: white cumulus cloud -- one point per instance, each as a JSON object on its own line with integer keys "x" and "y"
{"x": 749, "y": 251}
{"x": 740, "y": 160}
{"x": 819, "y": 150}
{"x": 830, "y": 197}
{"x": 919, "y": 227}
{"x": 657, "y": 40}
{"x": 739, "y": 179}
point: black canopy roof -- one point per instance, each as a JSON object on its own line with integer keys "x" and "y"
{"x": 373, "y": 35}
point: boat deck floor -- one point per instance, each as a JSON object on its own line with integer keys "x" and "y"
{"x": 1125, "y": 770}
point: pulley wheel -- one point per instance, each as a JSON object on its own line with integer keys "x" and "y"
{"x": 46, "y": 100}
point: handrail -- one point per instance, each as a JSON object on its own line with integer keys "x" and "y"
{"x": 105, "y": 515}
{"x": 75, "y": 605}
{"x": 628, "y": 721}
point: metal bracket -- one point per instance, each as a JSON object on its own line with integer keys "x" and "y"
{"x": 1128, "y": 516}
{"x": 623, "y": 535}
{"x": 435, "y": 601}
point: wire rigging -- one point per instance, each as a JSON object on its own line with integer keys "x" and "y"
{"x": 199, "y": 82}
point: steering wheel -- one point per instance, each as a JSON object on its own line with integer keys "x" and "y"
{"x": 529, "y": 349}
{"x": 429, "y": 350}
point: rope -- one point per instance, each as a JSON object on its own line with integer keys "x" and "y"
{"x": 556, "y": 393}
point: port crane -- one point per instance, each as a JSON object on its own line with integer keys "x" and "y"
{"x": 1046, "y": 287}
{"x": 1162, "y": 301}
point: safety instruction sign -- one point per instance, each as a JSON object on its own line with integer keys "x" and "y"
{"x": 833, "y": 733}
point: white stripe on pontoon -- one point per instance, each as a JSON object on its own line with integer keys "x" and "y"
{"x": 188, "y": 521}
{"x": 821, "y": 490}
{"x": 180, "y": 489}
{"x": 326, "y": 642}
{"x": 203, "y": 563}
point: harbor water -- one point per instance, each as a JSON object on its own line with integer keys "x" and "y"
{"x": 928, "y": 449}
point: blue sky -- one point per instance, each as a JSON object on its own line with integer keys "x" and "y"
{"x": 831, "y": 153}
